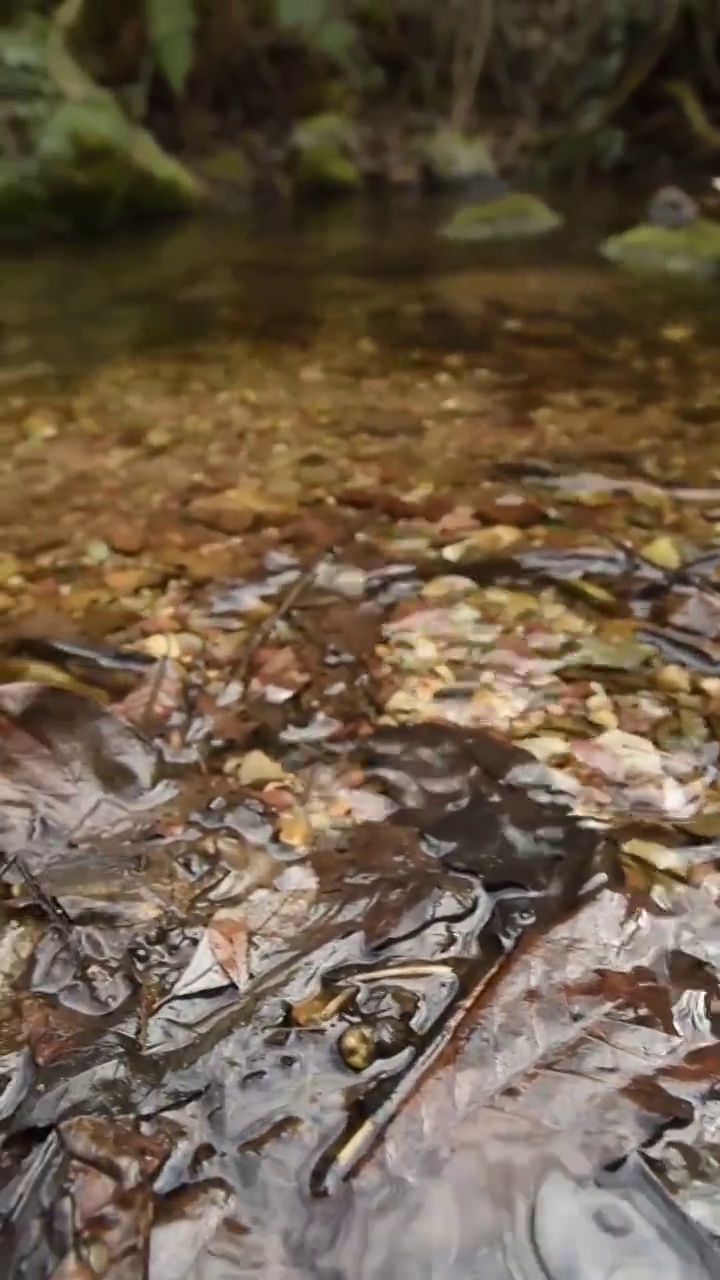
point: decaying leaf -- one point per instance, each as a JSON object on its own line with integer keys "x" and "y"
{"x": 67, "y": 761}
{"x": 229, "y": 940}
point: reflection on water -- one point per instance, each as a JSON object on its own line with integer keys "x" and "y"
{"x": 280, "y": 278}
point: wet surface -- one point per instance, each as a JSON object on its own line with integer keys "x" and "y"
{"x": 359, "y": 795}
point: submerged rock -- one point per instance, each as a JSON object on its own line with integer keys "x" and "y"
{"x": 673, "y": 239}
{"x": 506, "y": 217}
{"x": 326, "y": 154}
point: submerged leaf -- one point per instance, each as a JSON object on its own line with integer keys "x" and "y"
{"x": 68, "y": 761}
{"x": 663, "y": 551}
{"x": 228, "y": 937}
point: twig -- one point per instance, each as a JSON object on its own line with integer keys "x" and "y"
{"x": 466, "y": 72}
{"x": 265, "y": 628}
{"x": 359, "y": 1139}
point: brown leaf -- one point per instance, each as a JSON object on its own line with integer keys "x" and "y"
{"x": 51, "y": 1031}
{"x": 239, "y": 509}
{"x": 156, "y": 698}
{"x": 229, "y": 939}
{"x": 69, "y": 761}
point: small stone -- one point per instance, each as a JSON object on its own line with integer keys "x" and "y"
{"x": 447, "y": 585}
{"x": 295, "y": 829}
{"x": 126, "y": 536}
{"x": 177, "y": 645}
{"x": 546, "y": 747}
{"x": 673, "y": 679}
{"x": 485, "y": 542}
{"x": 600, "y": 711}
{"x": 9, "y": 566}
{"x": 256, "y": 768}
{"x": 356, "y": 1047}
{"x": 159, "y": 438}
{"x": 39, "y": 427}
{"x": 677, "y": 332}
{"x": 96, "y": 551}
{"x": 97, "y": 1256}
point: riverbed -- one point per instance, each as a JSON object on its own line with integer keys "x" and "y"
{"x": 359, "y": 792}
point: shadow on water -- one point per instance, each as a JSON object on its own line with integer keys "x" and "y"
{"x": 374, "y": 933}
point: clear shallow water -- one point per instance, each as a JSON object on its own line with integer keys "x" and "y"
{"x": 537, "y": 1014}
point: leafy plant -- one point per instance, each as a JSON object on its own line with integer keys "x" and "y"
{"x": 171, "y": 29}
{"x": 319, "y": 25}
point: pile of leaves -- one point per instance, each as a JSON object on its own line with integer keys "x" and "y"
{"x": 276, "y": 879}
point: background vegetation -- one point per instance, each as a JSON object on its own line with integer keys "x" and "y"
{"x": 548, "y": 86}
{"x": 542, "y": 75}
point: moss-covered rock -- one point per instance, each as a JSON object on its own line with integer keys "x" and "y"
{"x": 508, "y": 217}
{"x": 79, "y": 163}
{"x": 326, "y": 155}
{"x": 685, "y": 250}
{"x": 451, "y": 159}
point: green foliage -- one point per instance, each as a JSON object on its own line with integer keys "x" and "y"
{"x": 317, "y": 23}
{"x": 71, "y": 159}
{"x": 171, "y": 28}
{"x": 325, "y": 148}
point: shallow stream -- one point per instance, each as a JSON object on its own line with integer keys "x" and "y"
{"x": 359, "y": 779}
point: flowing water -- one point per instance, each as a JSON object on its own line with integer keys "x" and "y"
{"x": 359, "y": 789}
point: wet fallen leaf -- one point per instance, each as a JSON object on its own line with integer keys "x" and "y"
{"x": 663, "y": 551}
{"x": 237, "y": 510}
{"x": 70, "y": 762}
{"x": 184, "y": 1223}
{"x": 228, "y": 936}
{"x": 699, "y": 612}
{"x": 672, "y": 783}
{"x": 593, "y": 651}
{"x": 173, "y": 1134}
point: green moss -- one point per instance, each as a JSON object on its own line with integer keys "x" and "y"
{"x": 325, "y": 169}
{"x": 506, "y": 218}
{"x": 450, "y": 159}
{"x": 690, "y": 250}
{"x": 325, "y": 160}
{"x": 329, "y": 129}
{"x": 83, "y": 164}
